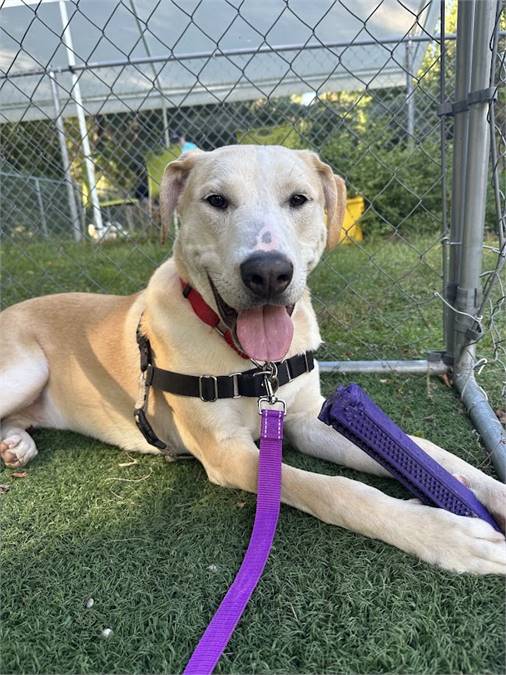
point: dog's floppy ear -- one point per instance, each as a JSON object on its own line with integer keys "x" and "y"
{"x": 334, "y": 191}
{"x": 171, "y": 188}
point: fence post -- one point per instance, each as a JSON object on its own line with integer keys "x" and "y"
{"x": 43, "y": 220}
{"x": 445, "y": 229}
{"x": 470, "y": 214}
{"x": 410, "y": 100}
{"x": 85, "y": 141}
{"x": 62, "y": 139}
{"x": 464, "y": 47}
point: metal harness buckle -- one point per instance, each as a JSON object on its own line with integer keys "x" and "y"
{"x": 214, "y": 379}
{"x": 235, "y": 380}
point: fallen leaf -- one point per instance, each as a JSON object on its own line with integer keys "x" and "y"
{"x": 501, "y": 415}
{"x": 446, "y": 379}
{"x": 240, "y": 505}
{"x": 4, "y": 489}
{"x": 19, "y": 474}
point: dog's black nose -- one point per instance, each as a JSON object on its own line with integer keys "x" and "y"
{"x": 267, "y": 275}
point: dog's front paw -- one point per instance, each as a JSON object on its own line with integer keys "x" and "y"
{"x": 490, "y": 492}
{"x": 17, "y": 448}
{"x": 493, "y": 496}
{"x": 459, "y": 543}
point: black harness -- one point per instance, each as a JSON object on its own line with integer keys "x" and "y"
{"x": 251, "y": 383}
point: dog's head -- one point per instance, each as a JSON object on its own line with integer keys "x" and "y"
{"x": 252, "y": 226}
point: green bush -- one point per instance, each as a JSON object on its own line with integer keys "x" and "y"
{"x": 155, "y": 165}
{"x": 286, "y": 135}
{"x": 400, "y": 183}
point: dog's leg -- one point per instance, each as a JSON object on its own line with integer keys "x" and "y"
{"x": 312, "y": 437}
{"x": 23, "y": 375}
{"x": 436, "y": 536}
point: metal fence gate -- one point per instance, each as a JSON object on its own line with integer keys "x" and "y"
{"x": 402, "y": 98}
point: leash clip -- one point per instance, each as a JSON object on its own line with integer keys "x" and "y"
{"x": 271, "y": 381}
{"x": 271, "y": 384}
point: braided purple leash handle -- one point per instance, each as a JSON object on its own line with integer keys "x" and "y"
{"x": 227, "y": 616}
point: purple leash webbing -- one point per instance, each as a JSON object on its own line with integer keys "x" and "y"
{"x": 227, "y": 616}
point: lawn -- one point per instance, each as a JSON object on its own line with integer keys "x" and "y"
{"x": 155, "y": 545}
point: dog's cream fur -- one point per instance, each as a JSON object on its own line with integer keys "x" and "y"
{"x": 70, "y": 361}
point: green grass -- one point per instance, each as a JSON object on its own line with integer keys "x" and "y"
{"x": 157, "y": 551}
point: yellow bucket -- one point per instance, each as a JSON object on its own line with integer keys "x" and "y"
{"x": 351, "y": 230}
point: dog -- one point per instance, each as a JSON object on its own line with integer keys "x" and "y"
{"x": 254, "y": 222}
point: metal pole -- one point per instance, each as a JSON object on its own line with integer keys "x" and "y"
{"x": 85, "y": 142}
{"x": 465, "y": 29}
{"x": 484, "y": 420}
{"x": 191, "y": 56}
{"x": 410, "y": 100}
{"x": 80, "y": 207}
{"x": 471, "y": 213}
{"x": 43, "y": 220}
{"x": 416, "y": 367}
{"x": 445, "y": 230}
{"x": 60, "y": 128}
{"x": 156, "y": 79}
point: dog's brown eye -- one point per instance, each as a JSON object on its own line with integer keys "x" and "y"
{"x": 297, "y": 200}
{"x": 217, "y": 201}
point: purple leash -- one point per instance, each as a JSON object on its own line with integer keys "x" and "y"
{"x": 227, "y": 616}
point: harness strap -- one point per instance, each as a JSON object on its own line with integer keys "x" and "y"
{"x": 209, "y": 388}
{"x": 213, "y": 387}
{"x": 141, "y": 405}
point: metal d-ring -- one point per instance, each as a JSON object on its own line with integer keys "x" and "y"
{"x": 270, "y": 401}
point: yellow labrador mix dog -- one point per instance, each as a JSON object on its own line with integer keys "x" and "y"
{"x": 252, "y": 227}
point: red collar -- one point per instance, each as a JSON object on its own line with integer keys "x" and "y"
{"x": 208, "y": 315}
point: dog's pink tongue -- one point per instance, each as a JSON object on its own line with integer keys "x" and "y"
{"x": 265, "y": 333}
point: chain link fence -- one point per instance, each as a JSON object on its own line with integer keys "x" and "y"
{"x": 493, "y": 302}
{"x": 96, "y": 98}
